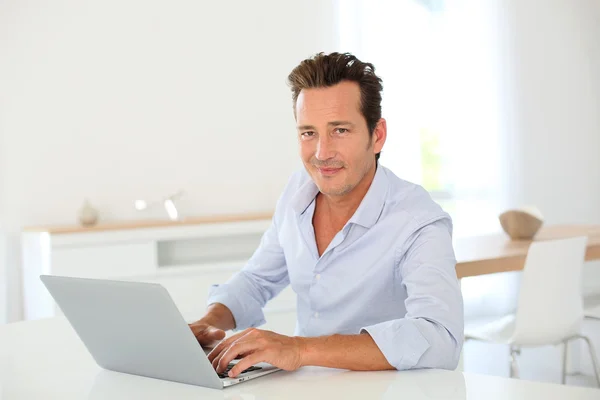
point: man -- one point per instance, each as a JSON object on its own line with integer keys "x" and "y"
{"x": 369, "y": 255}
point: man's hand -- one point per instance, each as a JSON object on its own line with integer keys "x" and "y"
{"x": 211, "y": 328}
{"x": 206, "y": 334}
{"x": 254, "y": 346}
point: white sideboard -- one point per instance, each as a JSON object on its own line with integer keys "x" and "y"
{"x": 186, "y": 257}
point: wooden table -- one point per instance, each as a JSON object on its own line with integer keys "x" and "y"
{"x": 488, "y": 254}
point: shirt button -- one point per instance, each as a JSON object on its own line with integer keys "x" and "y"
{"x": 316, "y": 315}
{"x": 318, "y": 276}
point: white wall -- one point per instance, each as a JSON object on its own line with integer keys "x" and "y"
{"x": 117, "y": 100}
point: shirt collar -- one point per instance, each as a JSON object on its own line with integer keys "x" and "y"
{"x": 370, "y": 208}
{"x": 304, "y": 196}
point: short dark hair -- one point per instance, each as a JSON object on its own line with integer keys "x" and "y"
{"x": 325, "y": 70}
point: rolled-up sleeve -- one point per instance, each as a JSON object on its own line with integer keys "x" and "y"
{"x": 432, "y": 332}
{"x": 261, "y": 279}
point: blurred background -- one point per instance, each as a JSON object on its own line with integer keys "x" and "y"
{"x": 491, "y": 104}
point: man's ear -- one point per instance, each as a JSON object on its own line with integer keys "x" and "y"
{"x": 379, "y": 135}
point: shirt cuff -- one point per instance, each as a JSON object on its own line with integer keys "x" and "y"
{"x": 247, "y": 313}
{"x": 400, "y": 341}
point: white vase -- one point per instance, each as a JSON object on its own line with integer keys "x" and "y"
{"x": 88, "y": 215}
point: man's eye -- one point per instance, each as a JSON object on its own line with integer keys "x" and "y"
{"x": 341, "y": 130}
{"x": 307, "y": 134}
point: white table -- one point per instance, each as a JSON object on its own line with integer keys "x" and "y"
{"x": 45, "y": 359}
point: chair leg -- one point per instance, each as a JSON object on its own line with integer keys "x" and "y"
{"x": 514, "y": 368}
{"x": 564, "y": 366}
{"x": 593, "y": 356}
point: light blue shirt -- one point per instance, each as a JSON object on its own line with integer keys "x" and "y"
{"x": 390, "y": 272}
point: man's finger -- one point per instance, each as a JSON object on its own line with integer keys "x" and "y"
{"x": 196, "y": 329}
{"x": 199, "y": 329}
{"x": 214, "y": 333}
{"x": 216, "y": 361}
{"x": 224, "y": 344}
{"x": 219, "y": 348}
{"x": 247, "y": 362}
{"x": 214, "y": 353}
{"x": 237, "y": 348}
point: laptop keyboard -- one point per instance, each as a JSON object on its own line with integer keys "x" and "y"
{"x": 230, "y": 366}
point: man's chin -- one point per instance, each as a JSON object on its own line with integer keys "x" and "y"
{"x": 333, "y": 190}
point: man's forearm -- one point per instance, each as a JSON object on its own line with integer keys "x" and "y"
{"x": 219, "y": 316}
{"x": 354, "y": 352}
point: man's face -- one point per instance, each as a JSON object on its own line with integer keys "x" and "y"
{"x": 335, "y": 145}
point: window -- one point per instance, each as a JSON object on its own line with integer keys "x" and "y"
{"x": 437, "y": 62}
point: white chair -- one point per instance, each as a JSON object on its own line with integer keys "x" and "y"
{"x": 550, "y": 305}
{"x": 592, "y": 312}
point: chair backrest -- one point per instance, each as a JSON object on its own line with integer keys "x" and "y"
{"x": 550, "y": 306}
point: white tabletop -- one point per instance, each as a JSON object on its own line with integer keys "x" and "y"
{"x": 46, "y": 360}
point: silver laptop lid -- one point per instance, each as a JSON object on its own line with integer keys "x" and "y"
{"x": 134, "y": 328}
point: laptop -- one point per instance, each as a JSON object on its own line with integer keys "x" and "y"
{"x": 136, "y": 328}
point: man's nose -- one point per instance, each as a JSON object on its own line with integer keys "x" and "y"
{"x": 325, "y": 148}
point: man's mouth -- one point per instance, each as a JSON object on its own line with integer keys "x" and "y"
{"x": 328, "y": 171}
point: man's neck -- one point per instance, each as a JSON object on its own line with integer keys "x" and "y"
{"x": 342, "y": 208}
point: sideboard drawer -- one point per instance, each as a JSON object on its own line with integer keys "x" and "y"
{"x": 106, "y": 261}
